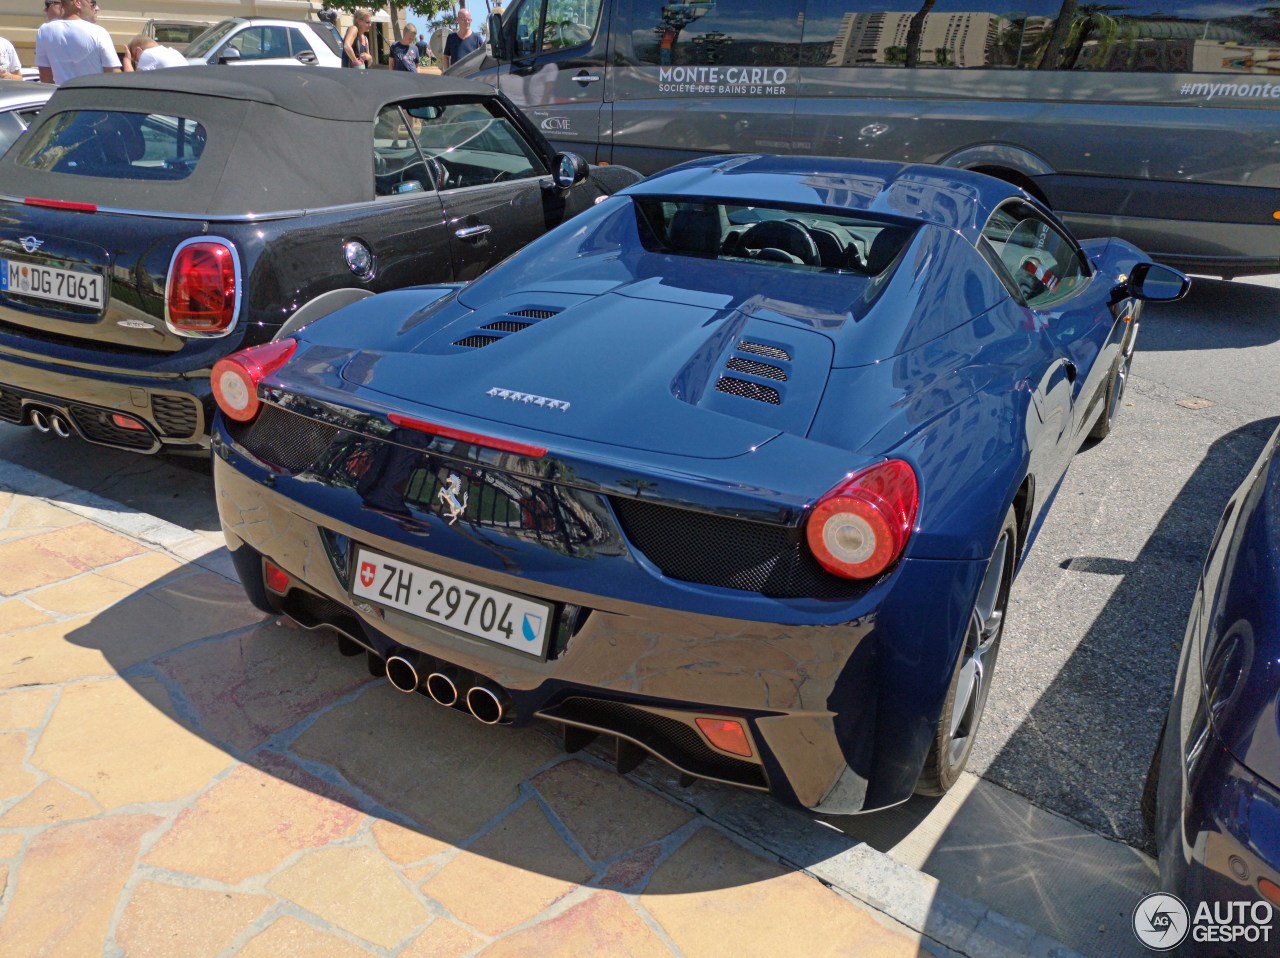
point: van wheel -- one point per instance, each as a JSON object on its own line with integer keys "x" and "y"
{"x": 971, "y": 679}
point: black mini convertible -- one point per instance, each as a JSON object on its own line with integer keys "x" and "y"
{"x": 152, "y": 223}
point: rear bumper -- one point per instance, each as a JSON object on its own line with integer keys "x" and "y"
{"x": 841, "y": 716}
{"x": 174, "y": 410}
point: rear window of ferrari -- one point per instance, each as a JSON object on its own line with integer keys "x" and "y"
{"x": 773, "y": 235}
{"x": 117, "y": 145}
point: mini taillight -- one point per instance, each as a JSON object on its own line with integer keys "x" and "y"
{"x": 236, "y": 377}
{"x": 859, "y": 528}
{"x": 202, "y": 289}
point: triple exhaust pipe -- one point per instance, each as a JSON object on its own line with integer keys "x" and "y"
{"x": 485, "y": 701}
{"x": 51, "y": 421}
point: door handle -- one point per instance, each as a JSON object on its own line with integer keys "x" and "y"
{"x": 472, "y": 232}
{"x": 585, "y": 78}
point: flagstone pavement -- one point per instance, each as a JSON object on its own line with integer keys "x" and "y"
{"x": 181, "y": 777}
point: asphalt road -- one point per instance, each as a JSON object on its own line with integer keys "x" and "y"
{"x": 1099, "y": 609}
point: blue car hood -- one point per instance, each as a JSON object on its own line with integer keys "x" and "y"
{"x": 616, "y": 366}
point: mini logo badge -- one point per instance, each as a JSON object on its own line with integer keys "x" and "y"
{"x": 30, "y": 243}
{"x": 367, "y": 572}
{"x": 1161, "y": 921}
{"x": 448, "y": 494}
{"x": 134, "y": 324}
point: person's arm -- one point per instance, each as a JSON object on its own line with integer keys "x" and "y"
{"x": 12, "y": 69}
{"x": 126, "y": 62}
{"x": 348, "y": 41}
{"x": 110, "y": 60}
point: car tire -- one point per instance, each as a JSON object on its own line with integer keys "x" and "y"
{"x": 971, "y": 678}
{"x": 1116, "y": 383}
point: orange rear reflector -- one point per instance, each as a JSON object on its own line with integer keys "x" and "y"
{"x": 1270, "y": 890}
{"x": 276, "y": 578}
{"x": 121, "y": 421}
{"x": 728, "y": 735}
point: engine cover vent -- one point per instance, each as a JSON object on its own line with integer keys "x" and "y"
{"x": 748, "y": 390}
{"x": 773, "y": 352}
{"x": 475, "y": 341}
{"x": 753, "y": 368}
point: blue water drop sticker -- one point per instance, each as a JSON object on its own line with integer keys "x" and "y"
{"x": 532, "y": 626}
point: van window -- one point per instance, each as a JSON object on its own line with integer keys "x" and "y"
{"x": 717, "y": 32}
{"x": 1033, "y": 35}
{"x": 117, "y": 145}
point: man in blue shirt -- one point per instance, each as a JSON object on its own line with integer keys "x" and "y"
{"x": 462, "y": 41}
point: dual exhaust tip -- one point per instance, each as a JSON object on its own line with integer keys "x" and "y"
{"x": 51, "y": 421}
{"x": 486, "y": 702}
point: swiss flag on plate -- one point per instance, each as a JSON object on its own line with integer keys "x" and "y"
{"x": 367, "y": 572}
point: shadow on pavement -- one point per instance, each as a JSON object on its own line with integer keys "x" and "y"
{"x": 1183, "y": 325}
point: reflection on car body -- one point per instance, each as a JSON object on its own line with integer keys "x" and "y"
{"x": 768, "y": 436}
{"x": 173, "y": 227}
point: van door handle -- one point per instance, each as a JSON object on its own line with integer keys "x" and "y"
{"x": 584, "y": 78}
{"x": 471, "y": 232}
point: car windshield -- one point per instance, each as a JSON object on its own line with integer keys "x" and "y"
{"x": 118, "y": 145}
{"x": 202, "y": 44}
{"x": 776, "y": 235}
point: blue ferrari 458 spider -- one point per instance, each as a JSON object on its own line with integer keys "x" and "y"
{"x": 735, "y": 468}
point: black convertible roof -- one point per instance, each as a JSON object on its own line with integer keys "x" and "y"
{"x": 309, "y": 91}
{"x": 279, "y": 139}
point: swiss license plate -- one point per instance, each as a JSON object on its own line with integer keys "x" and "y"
{"x": 60, "y": 285}
{"x": 515, "y": 621}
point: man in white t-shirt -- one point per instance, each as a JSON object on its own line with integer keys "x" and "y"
{"x": 10, "y": 65}
{"x": 75, "y": 45}
{"x": 143, "y": 53}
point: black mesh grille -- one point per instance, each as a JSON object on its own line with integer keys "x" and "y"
{"x": 96, "y": 425}
{"x": 668, "y": 737}
{"x": 284, "y": 439}
{"x": 176, "y": 415}
{"x": 534, "y": 313}
{"x": 748, "y": 390}
{"x": 10, "y": 406}
{"x": 476, "y": 341}
{"x": 738, "y": 364}
{"x": 507, "y": 326}
{"x": 729, "y": 553}
{"x": 773, "y": 352}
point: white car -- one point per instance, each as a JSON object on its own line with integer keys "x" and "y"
{"x": 267, "y": 40}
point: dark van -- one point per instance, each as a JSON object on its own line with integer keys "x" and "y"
{"x": 1158, "y": 122}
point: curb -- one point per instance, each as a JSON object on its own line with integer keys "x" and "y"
{"x": 952, "y": 924}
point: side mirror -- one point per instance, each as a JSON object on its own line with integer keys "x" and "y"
{"x": 570, "y": 170}
{"x": 228, "y": 54}
{"x": 497, "y": 40}
{"x": 1157, "y": 284}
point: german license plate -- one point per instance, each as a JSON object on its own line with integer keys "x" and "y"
{"x": 515, "y": 621}
{"x": 60, "y": 285}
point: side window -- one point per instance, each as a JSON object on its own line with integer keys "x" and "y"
{"x": 298, "y": 42}
{"x": 529, "y": 28}
{"x": 1142, "y": 36}
{"x": 1042, "y": 263}
{"x": 398, "y": 165}
{"x": 473, "y": 144}
{"x": 570, "y": 23}
{"x": 764, "y": 33}
{"x": 262, "y": 43}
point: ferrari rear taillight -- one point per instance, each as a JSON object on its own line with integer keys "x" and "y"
{"x": 236, "y": 377}
{"x": 859, "y": 528}
{"x": 203, "y": 288}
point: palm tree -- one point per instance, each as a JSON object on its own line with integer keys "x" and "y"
{"x": 915, "y": 32}
{"x": 1061, "y": 27}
